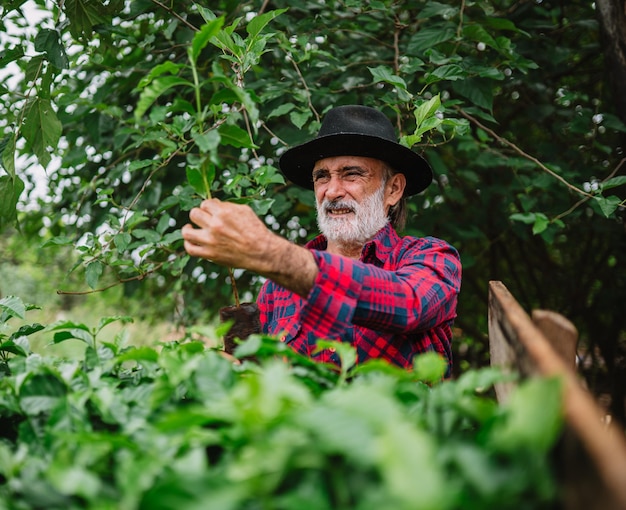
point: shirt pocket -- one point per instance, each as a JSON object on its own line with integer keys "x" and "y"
{"x": 285, "y": 328}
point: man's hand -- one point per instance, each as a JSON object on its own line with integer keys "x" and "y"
{"x": 228, "y": 234}
{"x": 233, "y": 235}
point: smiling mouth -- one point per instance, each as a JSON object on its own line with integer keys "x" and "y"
{"x": 338, "y": 212}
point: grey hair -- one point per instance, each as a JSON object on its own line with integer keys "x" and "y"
{"x": 397, "y": 213}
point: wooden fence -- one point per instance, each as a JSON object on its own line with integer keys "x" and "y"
{"x": 591, "y": 454}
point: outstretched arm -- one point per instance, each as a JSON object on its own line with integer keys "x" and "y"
{"x": 232, "y": 235}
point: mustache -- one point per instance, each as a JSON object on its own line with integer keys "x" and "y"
{"x": 334, "y": 205}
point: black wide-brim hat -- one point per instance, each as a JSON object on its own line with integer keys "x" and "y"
{"x": 356, "y": 131}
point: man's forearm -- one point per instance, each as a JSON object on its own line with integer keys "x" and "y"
{"x": 232, "y": 235}
{"x": 290, "y": 266}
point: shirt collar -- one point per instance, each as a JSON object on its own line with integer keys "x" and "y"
{"x": 377, "y": 248}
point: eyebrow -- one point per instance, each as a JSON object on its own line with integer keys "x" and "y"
{"x": 343, "y": 169}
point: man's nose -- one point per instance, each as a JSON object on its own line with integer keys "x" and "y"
{"x": 335, "y": 188}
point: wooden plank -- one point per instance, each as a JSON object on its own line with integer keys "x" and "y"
{"x": 592, "y": 454}
{"x": 560, "y": 333}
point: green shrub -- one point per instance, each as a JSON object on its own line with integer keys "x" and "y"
{"x": 180, "y": 426}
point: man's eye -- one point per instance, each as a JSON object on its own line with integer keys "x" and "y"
{"x": 321, "y": 178}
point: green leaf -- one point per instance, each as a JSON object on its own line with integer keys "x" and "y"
{"x": 10, "y": 55}
{"x": 431, "y": 9}
{"x": 482, "y": 380}
{"x": 235, "y": 136}
{"x": 429, "y": 38}
{"x": 171, "y": 238}
{"x": 135, "y": 220}
{"x": 203, "y": 36}
{"x": 478, "y": 91}
{"x": 34, "y": 67}
{"x": 138, "y": 164}
{"x": 138, "y": 354}
{"x": 503, "y": 24}
{"x": 282, "y": 109}
{"x": 266, "y": 175}
{"x": 59, "y": 325}
{"x": 10, "y": 191}
{"x": 225, "y": 41}
{"x": 449, "y": 72}
{"x": 13, "y": 348}
{"x": 156, "y": 89}
{"x": 528, "y": 218}
{"x": 75, "y": 480}
{"x": 208, "y": 141}
{"x": 93, "y": 271}
{"x": 121, "y": 241}
{"x": 40, "y": 393}
{"x": 41, "y": 128}
{"x": 201, "y": 179}
{"x": 614, "y": 182}
{"x": 48, "y": 41}
{"x": 608, "y": 205}
{"x": 148, "y": 235}
{"x": 479, "y": 34}
{"x": 429, "y": 367}
{"x": 405, "y": 450}
{"x": 258, "y": 23}
{"x": 158, "y": 70}
{"x": 541, "y": 223}
{"x": 426, "y": 109}
{"x": 105, "y": 321}
{"x": 7, "y": 152}
{"x": 345, "y": 351}
{"x": 27, "y": 330}
{"x": 78, "y": 334}
{"x": 83, "y": 16}
{"x": 385, "y": 74}
{"x": 534, "y": 416}
{"x": 59, "y": 241}
{"x": 12, "y": 306}
{"x": 300, "y": 118}
{"x": 164, "y": 223}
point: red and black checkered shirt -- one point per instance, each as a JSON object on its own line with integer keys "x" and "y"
{"x": 397, "y": 301}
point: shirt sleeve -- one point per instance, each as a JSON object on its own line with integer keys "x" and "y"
{"x": 265, "y": 303}
{"x": 417, "y": 292}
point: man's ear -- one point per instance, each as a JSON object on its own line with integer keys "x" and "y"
{"x": 395, "y": 189}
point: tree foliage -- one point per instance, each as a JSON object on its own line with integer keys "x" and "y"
{"x": 139, "y": 109}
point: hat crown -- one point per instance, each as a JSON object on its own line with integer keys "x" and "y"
{"x": 357, "y": 119}
{"x": 356, "y": 130}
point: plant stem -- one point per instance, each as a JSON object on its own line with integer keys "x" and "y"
{"x": 233, "y": 285}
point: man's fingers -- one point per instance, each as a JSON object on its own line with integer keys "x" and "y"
{"x": 209, "y": 204}
{"x": 188, "y": 231}
{"x": 195, "y": 242}
{"x": 199, "y": 217}
{"x": 195, "y": 250}
{"x": 192, "y": 235}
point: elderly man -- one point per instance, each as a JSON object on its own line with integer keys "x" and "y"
{"x": 391, "y": 297}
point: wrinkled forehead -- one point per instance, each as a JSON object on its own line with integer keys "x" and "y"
{"x": 339, "y": 163}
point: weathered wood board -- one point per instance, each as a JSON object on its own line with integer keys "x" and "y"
{"x": 591, "y": 455}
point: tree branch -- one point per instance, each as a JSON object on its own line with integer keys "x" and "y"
{"x": 176, "y": 15}
{"x": 525, "y": 155}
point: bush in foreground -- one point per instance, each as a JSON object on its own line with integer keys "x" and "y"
{"x": 180, "y": 426}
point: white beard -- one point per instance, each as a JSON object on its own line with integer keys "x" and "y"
{"x": 366, "y": 219}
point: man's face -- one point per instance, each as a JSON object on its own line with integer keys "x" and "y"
{"x": 353, "y": 197}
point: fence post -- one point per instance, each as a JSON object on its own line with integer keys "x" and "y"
{"x": 591, "y": 456}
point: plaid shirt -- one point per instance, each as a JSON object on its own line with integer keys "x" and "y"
{"x": 397, "y": 301}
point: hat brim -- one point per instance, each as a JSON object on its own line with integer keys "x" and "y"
{"x": 297, "y": 163}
